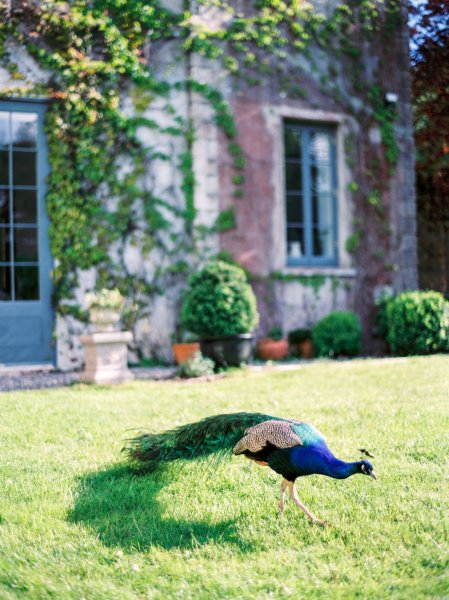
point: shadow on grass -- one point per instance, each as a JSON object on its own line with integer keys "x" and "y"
{"x": 122, "y": 509}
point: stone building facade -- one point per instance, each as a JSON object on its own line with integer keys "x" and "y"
{"x": 325, "y": 220}
{"x": 385, "y": 260}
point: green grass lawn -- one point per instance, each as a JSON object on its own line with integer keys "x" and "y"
{"x": 74, "y": 523}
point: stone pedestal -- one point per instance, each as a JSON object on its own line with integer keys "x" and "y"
{"x": 106, "y": 357}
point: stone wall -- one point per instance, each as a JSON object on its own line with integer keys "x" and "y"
{"x": 258, "y": 242}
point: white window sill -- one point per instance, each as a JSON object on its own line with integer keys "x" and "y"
{"x": 325, "y": 271}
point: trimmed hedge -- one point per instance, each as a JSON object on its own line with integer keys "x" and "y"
{"x": 219, "y": 301}
{"x": 338, "y": 334}
{"x": 417, "y": 323}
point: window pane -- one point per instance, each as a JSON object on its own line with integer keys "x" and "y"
{"x": 24, "y": 168}
{"x": 5, "y": 283}
{"x": 24, "y": 130}
{"x": 4, "y": 129}
{"x": 25, "y": 244}
{"x": 321, "y": 209}
{"x": 295, "y": 208}
{"x": 24, "y": 206}
{"x": 322, "y": 241}
{"x": 309, "y": 192}
{"x": 295, "y": 242}
{"x": 4, "y": 206}
{"x": 292, "y": 143}
{"x": 293, "y": 177}
{"x": 319, "y": 147}
{"x": 26, "y": 281}
{"x": 4, "y": 167}
{"x": 321, "y": 178}
{"x": 5, "y": 244}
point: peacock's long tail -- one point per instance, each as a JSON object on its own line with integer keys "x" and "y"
{"x": 212, "y": 435}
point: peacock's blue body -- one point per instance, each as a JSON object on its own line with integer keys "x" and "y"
{"x": 314, "y": 459}
{"x": 289, "y": 447}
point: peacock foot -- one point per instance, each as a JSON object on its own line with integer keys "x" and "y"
{"x": 318, "y": 522}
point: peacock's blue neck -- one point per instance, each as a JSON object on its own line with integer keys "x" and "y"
{"x": 339, "y": 469}
{"x": 318, "y": 459}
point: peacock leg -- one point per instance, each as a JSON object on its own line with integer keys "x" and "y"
{"x": 297, "y": 501}
{"x": 284, "y": 486}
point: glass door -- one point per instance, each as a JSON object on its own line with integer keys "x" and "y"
{"x": 25, "y": 308}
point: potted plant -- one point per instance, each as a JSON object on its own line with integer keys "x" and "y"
{"x": 186, "y": 347}
{"x": 104, "y": 308}
{"x": 274, "y": 346}
{"x": 221, "y": 308}
{"x": 300, "y": 341}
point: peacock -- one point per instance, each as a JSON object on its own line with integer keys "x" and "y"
{"x": 289, "y": 447}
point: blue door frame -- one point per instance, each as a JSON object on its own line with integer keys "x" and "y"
{"x": 26, "y": 315}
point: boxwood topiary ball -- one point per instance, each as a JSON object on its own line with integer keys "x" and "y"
{"x": 338, "y": 334}
{"x": 418, "y": 323}
{"x": 219, "y": 301}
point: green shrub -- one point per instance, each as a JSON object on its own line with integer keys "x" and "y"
{"x": 418, "y": 323}
{"x": 219, "y": 301}
{"x": 338, "y": 334}
{"x": 196, "y": 366}
{"x": 276, "y": 333}
{"x": 296, "y": 336}
{"x": 381, "y": 316}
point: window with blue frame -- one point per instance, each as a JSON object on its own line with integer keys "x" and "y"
{"x": 19, "y": 261}
{"x": 310, "y": 194}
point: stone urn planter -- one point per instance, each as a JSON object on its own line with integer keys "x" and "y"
{"x": 104, "y": 319}
{"x": 105, "y": 349}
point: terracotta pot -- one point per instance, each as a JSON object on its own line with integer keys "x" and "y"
{"x": 269, "y": 349}
{"x": 305, "y": 348}
{"x": 184, "y": 351}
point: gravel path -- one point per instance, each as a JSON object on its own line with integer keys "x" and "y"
{"x": 34, "y": 380}
{"x": 11, "y": 380}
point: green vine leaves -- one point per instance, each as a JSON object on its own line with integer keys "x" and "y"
{"x": 104, "y": 86}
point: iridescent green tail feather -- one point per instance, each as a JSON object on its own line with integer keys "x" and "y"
{"x": 212, "y": 435}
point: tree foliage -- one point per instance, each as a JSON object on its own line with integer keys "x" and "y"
{"x": 429, "y": 23}
{"x": 430, "y": 64}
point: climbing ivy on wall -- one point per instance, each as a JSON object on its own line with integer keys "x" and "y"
{"x": 99, "y": 57}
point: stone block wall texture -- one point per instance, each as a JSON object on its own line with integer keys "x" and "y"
{"x": 258, "y": 241}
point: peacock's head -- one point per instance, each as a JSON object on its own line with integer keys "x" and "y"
{"x": 366, "y": 468}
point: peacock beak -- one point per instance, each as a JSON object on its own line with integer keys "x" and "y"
{"x": 373, "y": 476}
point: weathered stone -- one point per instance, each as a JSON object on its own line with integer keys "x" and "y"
{"x": 106, "y": 357}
